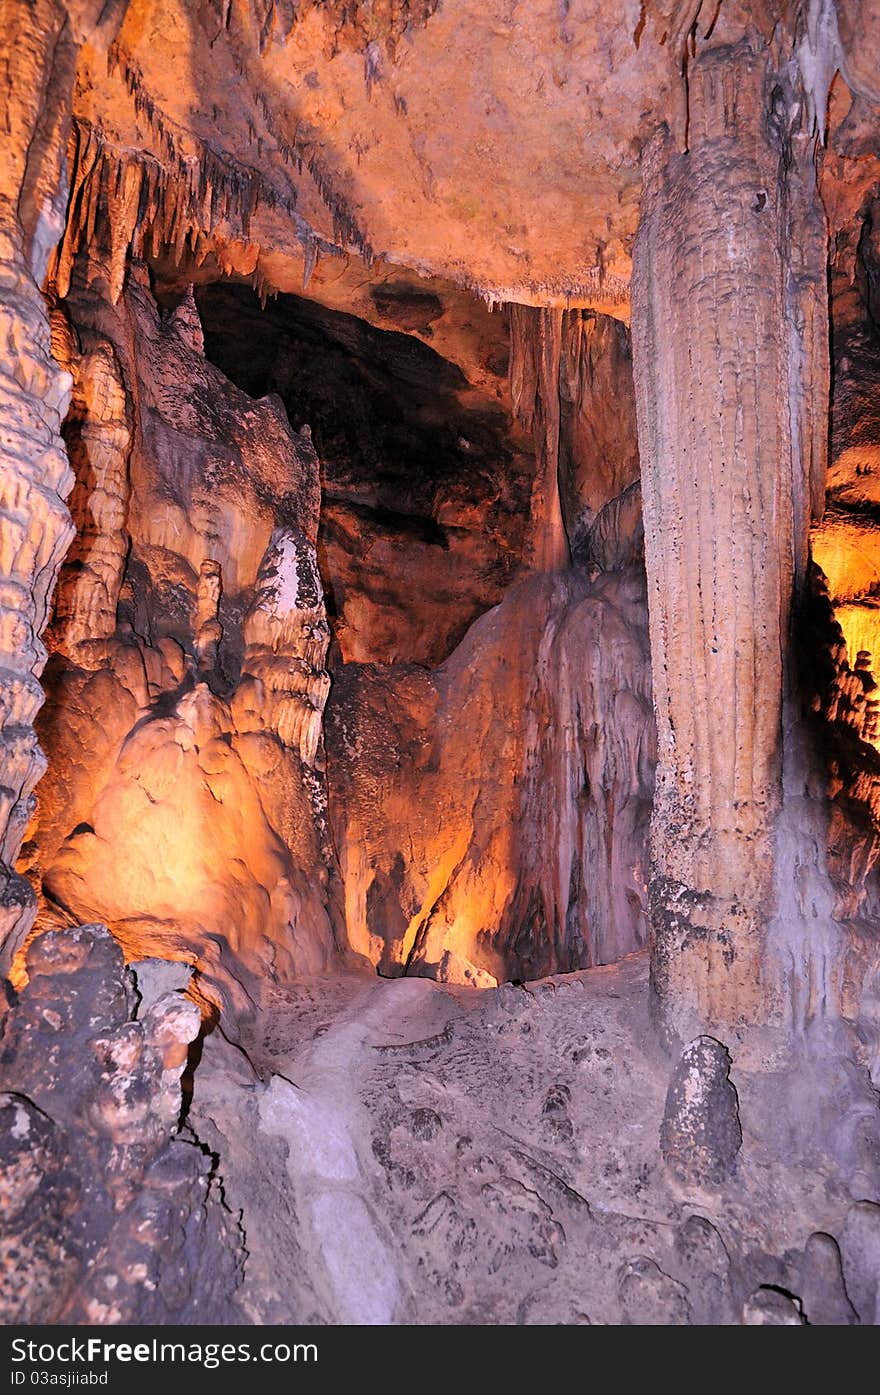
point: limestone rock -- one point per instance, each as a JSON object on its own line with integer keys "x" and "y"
{"x": 425, "y": 481}
{"x": 114, "y": 1209}
{"x": 770, "y": 1307}
{"x": 820, "y": 1285}
{"x": 718, "y": 461}
{"x": 154, "y": 978}
{"x": 701, "y": 1136}
{"x": 650, "y": 1298}
{"x": 36, "y": 1197}
{"x": 860, "y": 1251}
{"x": 286, "y": 636}
{"x": 513, "y": 784}
{"x": 190, "y": 637}
{"x": 598, "y": 445}
{"x": 707, "y": 1271}
{"x": 38, "y": 58}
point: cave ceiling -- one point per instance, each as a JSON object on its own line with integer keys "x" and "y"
{"x": 490, "y": 143}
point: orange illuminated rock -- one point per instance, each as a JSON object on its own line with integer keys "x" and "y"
{"x": 37, "y": 57}
{"x": 491, "y": 816}
{"x": 190, "y": 632}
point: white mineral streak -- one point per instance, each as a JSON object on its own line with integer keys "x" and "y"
{"x": 286, "y": 638}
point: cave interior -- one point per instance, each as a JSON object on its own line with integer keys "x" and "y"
{"x": 439, "y": 611}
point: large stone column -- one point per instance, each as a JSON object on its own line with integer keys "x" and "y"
{"x": 730, "y": 357}
{"x": 37, "y": 54}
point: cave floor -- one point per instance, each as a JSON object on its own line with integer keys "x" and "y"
{"x": 404, "y": 1151}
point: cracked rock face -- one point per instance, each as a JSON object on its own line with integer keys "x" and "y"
{"x": 97, "y": 1176}
{"x": 494, "y": 1157}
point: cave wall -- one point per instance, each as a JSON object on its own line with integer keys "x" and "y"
{"x": 185, "y": 804}
{"x": 169, "y": 588}
{"x": 39, "y": 53}
{"x": 491, "y": 815}
{"x": 488, "y": 816}
{"x": 846, "y": 542}
{"x": 477, "y": 808}
{"x": 425, "y": 483}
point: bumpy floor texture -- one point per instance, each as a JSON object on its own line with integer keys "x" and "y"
{"x": 422, "y": 1154}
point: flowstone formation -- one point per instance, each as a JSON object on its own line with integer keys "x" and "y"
{"x": 190, "y": 615}
{"x": 439, "y": 579}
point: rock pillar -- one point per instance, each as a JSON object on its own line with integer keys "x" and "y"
{"x": 731, "y": 371}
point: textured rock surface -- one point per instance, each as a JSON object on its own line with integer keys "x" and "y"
{"x": 846, "y": 544}
{"x": 732, "y": 467}
{"x": 770, "y": 1307}
{"x": 188, "y": 681}
{"x": 860, "y": 1249}
{"x": 110, "y": 1213}
{"x": 491, "y": 816}
{"x": 415, "y": 1151}
{"x": 598, "y": 446}
{"x": 821, "y": 1285}
{"x": 701, "y": 1135}
{"x": 495, "y": 1156}
{"x": 329, "y": 99}
{"x": 38, "y": 57}
{"x": 425, "y": 481}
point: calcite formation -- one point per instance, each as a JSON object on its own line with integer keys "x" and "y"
{"x": 422, "y": 475}
{"x": 36, "y": 477}
{"x": 97, "y": 1175}
{"x": 191, "y": 615}
{"x": 439, "y": 543}
{"x": 701, "y": 1136}
{"x": 491, "y": 817}
{"x": 732, "y": 424}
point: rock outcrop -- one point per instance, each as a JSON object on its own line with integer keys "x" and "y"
{"x": 110, "y": 1211}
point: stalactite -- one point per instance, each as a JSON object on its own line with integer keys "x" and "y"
{"x": 310, "y": 260}
{"x": 535, "y": 348}
{"x": 346, "y": 231}
{"x": 195, "y": 192}
{"x": 355, "y": 23}
{"x": 145, "y": 202}
{"x": 598, "y": 288}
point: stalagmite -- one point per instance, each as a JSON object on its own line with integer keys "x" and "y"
{"x": 208, "y": 629}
